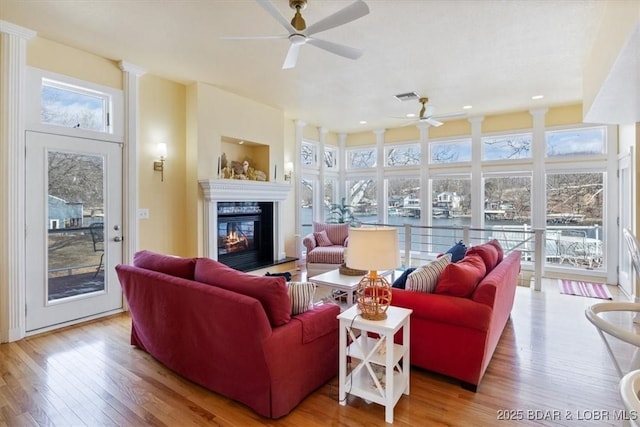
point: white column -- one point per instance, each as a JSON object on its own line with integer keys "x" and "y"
{"x": 318, "y": 201}
{"x": 297, "y": 186}
{"x": 13, "y": 55}
{"x": 477, "y": 189}
{"x": 131, "y": 76}
{"x": 342, "y": 165}
{"x": 381, "y": 191}
{"x": 538, "y": 191}
{"x": 425, "y": 188}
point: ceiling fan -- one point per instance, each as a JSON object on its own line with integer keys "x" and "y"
{"x": 300, "y": 34}
{"x": 426, "y": 114}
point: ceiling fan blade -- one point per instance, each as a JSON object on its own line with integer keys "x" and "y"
{"x": 433, "y": 122}
{"x": 429, "y": 110}
{"x": 292, "y": 57}
{"x": 273, "y": 11}
{"x": 343, "y": 16}
{"x": 338, "y": 49}
{"x": 450, "y": 115}
{"x": 285, "y": 36}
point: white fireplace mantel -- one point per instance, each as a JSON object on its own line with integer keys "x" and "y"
{"x": 235, "y": 190}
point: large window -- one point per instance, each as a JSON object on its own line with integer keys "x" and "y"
{"x": 575, "y": 232}
{"x": 507, "y": 200}
{"x": 451, "y": 200}
{"x": 306, "y": 206}
{"x": 403, "y": 195}
{"x": 363, "y": 200}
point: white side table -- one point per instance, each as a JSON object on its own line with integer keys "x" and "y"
{"x": 374, "y": 354}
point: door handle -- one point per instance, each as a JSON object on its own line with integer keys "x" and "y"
{"x": 117, "y": 239}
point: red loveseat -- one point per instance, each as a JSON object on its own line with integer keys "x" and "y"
{"x": 229, "y": 331}
{"x": 456, "y": 336}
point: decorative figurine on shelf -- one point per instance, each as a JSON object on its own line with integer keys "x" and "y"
{"x": 240, "y": 170}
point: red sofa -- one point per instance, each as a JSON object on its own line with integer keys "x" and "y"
{"x": 457, "y": 336}
{"x": 229, "y": 331}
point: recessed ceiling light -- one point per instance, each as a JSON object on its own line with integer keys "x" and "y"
{"x": 411, "y": 115}
{"x": 363, "y": 122}
{"x": 467, "y": 107}
{"x": 537, "y": 97}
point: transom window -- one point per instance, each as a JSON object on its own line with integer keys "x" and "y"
{"x": 575, "y": 142}
{"x": 451, "y": 151}
{"x": 308, "y": 154}
{"x": 402, "y": 155}
{"x": 361, "y": 158}
{"x": 507, "y": 147}
{"x": 72, "y": 106}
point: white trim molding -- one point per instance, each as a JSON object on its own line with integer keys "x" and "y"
{"x": 232, "y": 190}
{"x": 131, "y": 82}
{"x": 13, "y": 54}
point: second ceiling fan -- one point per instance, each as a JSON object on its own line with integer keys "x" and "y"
{"x": 426, "y": 114}
{"x": 299, "y": 34}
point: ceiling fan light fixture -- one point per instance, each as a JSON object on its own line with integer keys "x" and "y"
{"x": 298, "y": 21}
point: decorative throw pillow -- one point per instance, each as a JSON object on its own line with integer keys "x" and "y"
{"x": 322, "y": 239}
{"x": 460, "y": 279}
{"x": 167, "y": 264}
{"x": 496, "y": 244}
{"x": 488, "y": 253}
{"x": 270, "y": 291}
{"x": 301, "y": 296}
{"x": 425, "y": 278}
{"x": 337, "y": 233}
{"x": 457, "y": 251}
{"x": 401, "y": 281}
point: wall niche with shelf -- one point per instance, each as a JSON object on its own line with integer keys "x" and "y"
{"x": 235, "y": 152}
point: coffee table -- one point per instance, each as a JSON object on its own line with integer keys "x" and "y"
{"x": 342, "y": 282}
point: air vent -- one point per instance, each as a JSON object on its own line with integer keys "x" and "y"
{"x": 409, "y": 96}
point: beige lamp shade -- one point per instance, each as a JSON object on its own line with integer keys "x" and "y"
{"x": 373, "y": 248}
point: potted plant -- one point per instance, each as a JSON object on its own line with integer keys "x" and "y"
{"x": 339, "y": 213}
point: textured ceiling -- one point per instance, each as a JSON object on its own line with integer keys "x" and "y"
{"x": 493, "y": 55}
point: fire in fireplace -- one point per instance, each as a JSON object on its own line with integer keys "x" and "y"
{"x": 245, "y": 238}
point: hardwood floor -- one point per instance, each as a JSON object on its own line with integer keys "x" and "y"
{"x": 550, "y": 368}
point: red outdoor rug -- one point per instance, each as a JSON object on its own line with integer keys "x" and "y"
{"x": 584, "y": 289}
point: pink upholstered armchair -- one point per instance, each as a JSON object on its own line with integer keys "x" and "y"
{"x": 325, "y": 247}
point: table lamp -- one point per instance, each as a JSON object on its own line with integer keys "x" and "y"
{"x": 373, "y": 249}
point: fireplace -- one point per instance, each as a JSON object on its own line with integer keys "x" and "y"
{"x": 234, "y": 205}
{"x": 245, "y": 238}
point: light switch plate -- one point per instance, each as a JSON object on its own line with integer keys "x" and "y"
{"x": 143, "y": 213}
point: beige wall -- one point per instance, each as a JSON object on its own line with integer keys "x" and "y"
{"x": 163, "y": 119}
{"x": 215, "y": 114}
{"x": 61, "y": 59}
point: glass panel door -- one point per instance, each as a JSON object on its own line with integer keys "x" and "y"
{"x": 73, "y": 228}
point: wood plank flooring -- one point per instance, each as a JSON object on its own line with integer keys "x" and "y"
{"x": 550, "y": 363}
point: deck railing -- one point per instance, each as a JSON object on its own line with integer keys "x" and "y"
{"x": 571, "y": 246}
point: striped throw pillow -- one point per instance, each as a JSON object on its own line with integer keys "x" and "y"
{"x": 425, "y": 278}
{"x": 301, "y": 296}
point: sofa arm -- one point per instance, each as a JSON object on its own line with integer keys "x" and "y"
{"x": 444, "y": 308}
{"x": 319, "y": 321}
{"x": 309, "y": 242}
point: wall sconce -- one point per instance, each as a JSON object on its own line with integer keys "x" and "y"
{"x": 159, "y": 165}
{"x": 288, "y": 170}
